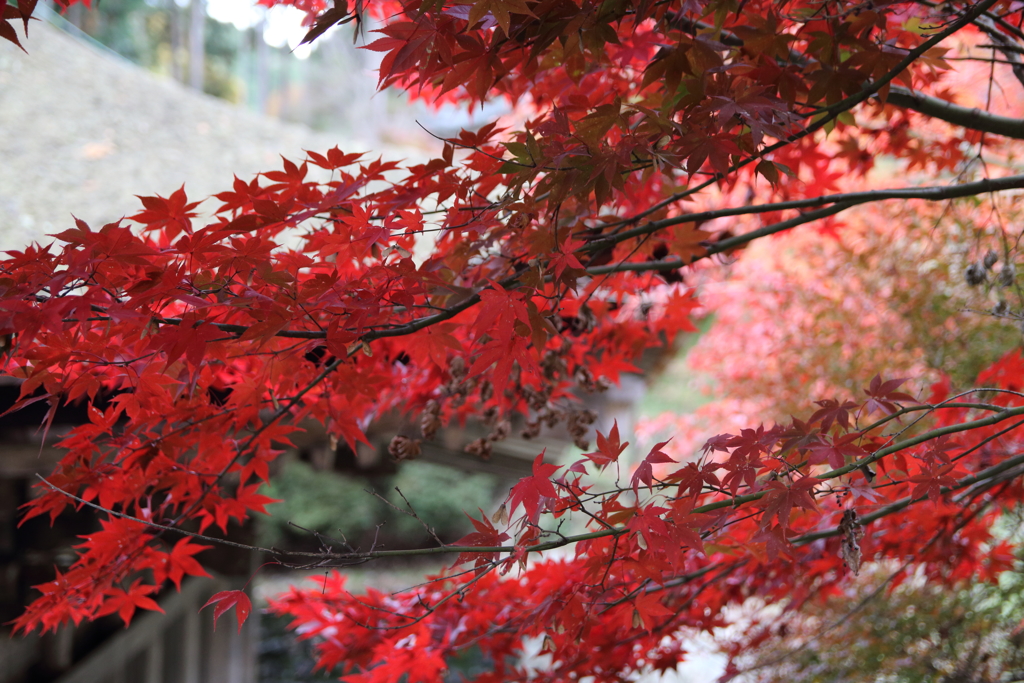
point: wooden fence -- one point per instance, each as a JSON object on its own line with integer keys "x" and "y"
{"x": 178, "y": 646}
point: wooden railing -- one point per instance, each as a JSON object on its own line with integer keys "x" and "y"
{"x": 178, "y": 646}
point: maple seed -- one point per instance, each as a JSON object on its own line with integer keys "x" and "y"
{"x": 500, "y": 516}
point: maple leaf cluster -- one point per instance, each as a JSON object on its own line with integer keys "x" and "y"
{"x": 521, "y": 268}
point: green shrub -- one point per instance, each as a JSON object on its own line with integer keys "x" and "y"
{"x": 339, "y": 505}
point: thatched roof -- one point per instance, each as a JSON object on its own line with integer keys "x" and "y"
{"x": 83, "y": 130}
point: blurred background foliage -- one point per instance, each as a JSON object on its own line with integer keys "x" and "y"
{"x": 821, "y": 312}
{"x": 155, "y": 35}
{"x": 337, "y": 505}
{"x": 914, "y": 634}
{"x": 256, "y": 61}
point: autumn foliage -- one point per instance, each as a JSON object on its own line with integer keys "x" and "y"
{"x": 528, "y": 264}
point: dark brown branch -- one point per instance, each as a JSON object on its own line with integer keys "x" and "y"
{"x": 1004, "y": 43}
{"x": 829, "y": 114}
{"x": 736, "y": 501}
{"x": 973, "y": 119}
{"x": 846, "y": 200}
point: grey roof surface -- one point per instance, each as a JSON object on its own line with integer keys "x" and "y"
{"x": 83, "y": 130}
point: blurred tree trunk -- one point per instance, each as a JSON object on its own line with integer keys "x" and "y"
{"x": 177, "y": 43}
{"x": 262, "y": 81}
{"x": 76, "y": 14}
{"x": 197, "y": 44}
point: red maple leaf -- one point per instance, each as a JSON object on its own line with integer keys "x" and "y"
{"x": 882, "y": 396}
{"x": 125, "y": 602}
{"x": 224, "y": 601}
{"x": 608, "y": 447}
{"x": 530, "y": 491}
{"x": 645, "y": 471}
{"x": 486, "y": 535}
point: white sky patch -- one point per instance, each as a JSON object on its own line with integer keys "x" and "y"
{"x": 244, "y": 14}
{"x": 284, "y": 27}
{"x": 283, "y": 23}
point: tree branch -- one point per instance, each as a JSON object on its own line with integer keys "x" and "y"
{"x": 972, "y": 119}
{"x": 846, "y": 200}
{"x": 323, "y": 558}
{"x": 830, "y": 113}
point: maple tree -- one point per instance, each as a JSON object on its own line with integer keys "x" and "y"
{"x": 822, "y": 307}
{"x": 913, "y": 634}
{"x": 522, "y": 267}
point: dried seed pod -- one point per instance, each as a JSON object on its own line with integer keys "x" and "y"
{"x": 1000, "y": 309}
{"x": 991, "y": 258}
{"x": 516, "y": 373}
{"x": 1007, "y": 275}
{"x": 430, "y": 420}
{"x": 531, "y": 430}
{"x": 583, "y": 418}
{"x": 588, "y": 318}
{"x": 975, "y": 274}
{"x": 584, "y": 378}
{"x": 490, "y": 416}
{"x": 584, "y": 322}
{"x": 581, "y": 443}
{"x": 849, "y": 549}
{"x": 532, "y": 397}
{"x": 480, "y": 448}
{"x": 602, "y": 384}
{"x": 536, "y": 398}
{"x": 433, "y": 406}
{"x": 457, "y": 368}
{"x": 486, "y": 391}
{"x": 572, "y": 423}
{"x": 500, "y": 431}
{"x": 553, "y": 365}
{"x": 429, "y": 425}
{"x": 551, "y": 416}
{"x": 457, "y": 400}
{"x": 404, "y": 448}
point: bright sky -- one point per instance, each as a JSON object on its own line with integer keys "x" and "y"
{"x": 284, "y": 24}
{"x": 284, "y": 28}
